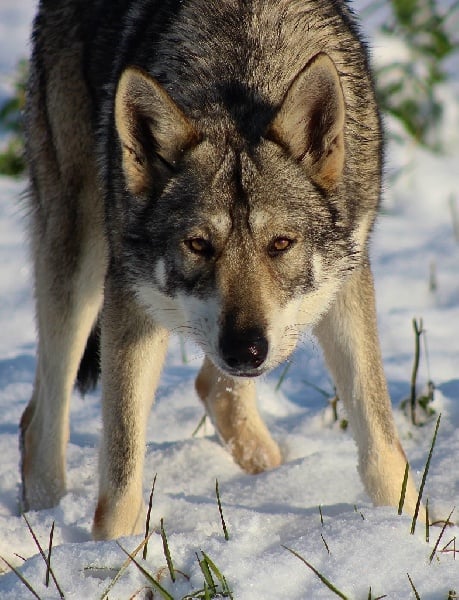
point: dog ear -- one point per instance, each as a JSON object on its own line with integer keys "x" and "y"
{"x": 310, "y": 121}
{"x": 153, "y": 131}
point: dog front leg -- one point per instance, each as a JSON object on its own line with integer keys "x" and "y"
{"x": 69, "y": 282}
{"x": 349, "y": 338}
{"x": 132, "y": 354}
{"x": 232, "y": 407}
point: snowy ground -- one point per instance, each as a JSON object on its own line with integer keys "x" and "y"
{"x": 368, "y": 547}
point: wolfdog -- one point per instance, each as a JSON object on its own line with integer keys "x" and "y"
{"x": 210, "y": 167}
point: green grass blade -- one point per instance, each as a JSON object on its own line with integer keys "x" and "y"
{"x": 325, "y": 543}
{"x": 199, "y": 425}
{"x": 417, "y": 334}
{"x": 148, "y": 576}
{"x": 403, "y": 490}
{"x": 220, "y": 510}
{"x": 167, "y": 554}
{"x": 40, "y": 549}
{"x": 183, "y": 350}
{"x": 50, "y": 548}
{"x": 362, "y": 516}
{"x": 416, "y": 595}
{"x": 125, "y": 565}
{"x": 147, "y": 520}
{"x": 424, "y": 477}
{"x": 318, "y": 389}
{"x": 445, "y": 524}
{"x": 218, "y": 574}
{"x": 207, "y": 595}
{"x": 209, "y": 580}
{"x": 427, "y": 521}
{"x": 283, "y": 375}
{"x": 322, "y": 578}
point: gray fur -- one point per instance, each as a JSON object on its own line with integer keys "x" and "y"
{"x": 212, "y": 168}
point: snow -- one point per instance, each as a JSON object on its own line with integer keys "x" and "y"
{"x": 367, "y": 546}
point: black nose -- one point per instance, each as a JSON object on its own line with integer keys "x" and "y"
{"x": 244, "y": 350}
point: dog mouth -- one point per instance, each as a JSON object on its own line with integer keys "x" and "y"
{"x": 242, "y": 369}
{"x": 243, "y": 373}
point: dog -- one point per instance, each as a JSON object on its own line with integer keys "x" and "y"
{"x": 208, "y": 167}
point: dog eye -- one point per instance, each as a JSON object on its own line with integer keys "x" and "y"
{"x": 200, "y": 246}
{"x": 279, "y": 245}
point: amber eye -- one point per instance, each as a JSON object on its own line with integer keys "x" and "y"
{"x": 279, "y": 245}
{"x": 200, "y": 246}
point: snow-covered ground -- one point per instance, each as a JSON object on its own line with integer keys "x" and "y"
{"x": 357, "y": 546}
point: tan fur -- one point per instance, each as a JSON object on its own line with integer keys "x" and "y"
{"x": 231, "y": 405}
{"x": 293, "y": 177}
{"x": 130, "y": 377}
{"x": 317, "y": 85}
{"x": 140, "y": 97}
{"x": 67, "y": 306}
{"x": 349, "y": 338}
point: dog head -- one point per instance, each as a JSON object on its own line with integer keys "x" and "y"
{"x": 238, "y": 235}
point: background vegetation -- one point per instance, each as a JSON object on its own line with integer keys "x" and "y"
{"x": 12, "y": 151}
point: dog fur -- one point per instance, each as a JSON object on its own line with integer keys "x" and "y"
{"x": 209, "y": 167}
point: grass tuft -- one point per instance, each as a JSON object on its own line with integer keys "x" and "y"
{"x": 208, "y": 567}
{"x": 424, "y": 399}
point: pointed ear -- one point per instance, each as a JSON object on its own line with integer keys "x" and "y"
{"x": 310, "y": 121}
{"x": 153, "y": 131}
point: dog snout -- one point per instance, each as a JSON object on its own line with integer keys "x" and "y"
{"x": 244, "y": 351}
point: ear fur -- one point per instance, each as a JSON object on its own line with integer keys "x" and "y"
{"x": 310, "y": 121}
{"x": 152, "y": 129}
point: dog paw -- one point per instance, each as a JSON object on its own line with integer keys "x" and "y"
{"x": 255, "y": 454}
